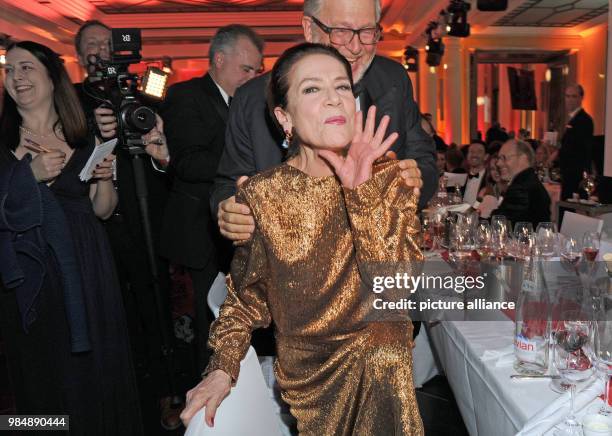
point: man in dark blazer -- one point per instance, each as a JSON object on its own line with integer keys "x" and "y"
{"x": 575, "y": 152}
{"x": 253, "y": 144}
{"x": 526, "y": 199}
{"x": 195, "y": 113}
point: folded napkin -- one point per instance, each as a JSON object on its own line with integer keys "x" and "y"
{"x": 556, "y": 411}
{"x": 503, "y": 356}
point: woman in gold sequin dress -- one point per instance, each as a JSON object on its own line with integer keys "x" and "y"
{"x": 324, "y": 220}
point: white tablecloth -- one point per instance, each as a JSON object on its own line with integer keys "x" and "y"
{"x": 489, "y": 401}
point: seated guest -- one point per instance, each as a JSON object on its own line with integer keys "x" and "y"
{"x": 441, "y": 161}
{"x": 494, "y": 185}
{"x": 328, "y": 204}
{"x": 476, "y": 160}
{"x": 526, "y": 198}
{"x": 541, "y": 156}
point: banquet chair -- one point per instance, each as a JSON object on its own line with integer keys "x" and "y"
{"x": 216, "y": 294}
{"x": 216, "y": 297}
{"x": 575, "y": 225}
{"x": 607, "y": 225}
{"x": 247, "y": 410}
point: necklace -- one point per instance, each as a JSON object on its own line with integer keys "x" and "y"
{"x": 29, "y": 132}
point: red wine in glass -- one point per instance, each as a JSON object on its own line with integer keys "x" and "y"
{"x": 590, "y": 254}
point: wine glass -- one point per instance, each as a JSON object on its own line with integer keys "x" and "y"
{"x": 522, "y": 239}
{"x": 426, "y": 232}
{"x": 603, "y": 345}
{"x": 546, "y": 239}
{"x": 571, "y": 252}
{"x": 482, "y": 239}
{"x": 458, "y": 246}
{"x": 590, "y": 246}
{"x": 572, "y": 354}
{"x": 522, "y": 228}
{"x": 500, "y": 232}
{"x": 438, "y": 224}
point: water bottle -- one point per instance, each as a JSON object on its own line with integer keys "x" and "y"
{"x": 533, "y": 322}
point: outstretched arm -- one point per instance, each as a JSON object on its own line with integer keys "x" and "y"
{"x": 245, "y": 309}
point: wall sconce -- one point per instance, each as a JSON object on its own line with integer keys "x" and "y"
{"x": 548, "y": 75}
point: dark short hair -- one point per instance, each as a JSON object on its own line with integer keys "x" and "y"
{"x": 86, "y": 25}
{"x": 494, "y": 147}
{"x": 278, "y": 85}
{"x": 578, "y": 87}
{"x": 227, "y": 36}
{"x": 477, "y": 141}
{"x": 67, "y": 105}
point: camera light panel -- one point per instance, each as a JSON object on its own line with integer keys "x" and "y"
{"x": 154, "y": 83}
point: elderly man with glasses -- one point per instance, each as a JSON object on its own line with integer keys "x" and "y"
{"x": 526, "y": 199}
{"x": 252, "y": 145}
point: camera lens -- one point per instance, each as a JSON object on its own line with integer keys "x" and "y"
{"x": 138, "y": 118}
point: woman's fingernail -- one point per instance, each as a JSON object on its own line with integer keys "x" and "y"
{"x": 213, "y": 421}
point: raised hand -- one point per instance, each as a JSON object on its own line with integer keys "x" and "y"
{"x": 367, "y": 146}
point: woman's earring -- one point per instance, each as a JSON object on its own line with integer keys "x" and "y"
{"x": 288, "y": 136}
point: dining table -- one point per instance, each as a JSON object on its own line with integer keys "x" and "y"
{"x": 476, "y": 354}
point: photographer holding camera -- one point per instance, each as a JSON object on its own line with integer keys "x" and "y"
{"x": 124, "y": 227}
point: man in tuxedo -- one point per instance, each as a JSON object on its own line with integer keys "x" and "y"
{"x": 576, "y": 143}
{"x": 195, "y": 113}
{"x": 253, "y": 144}
{"x": 476, "y": 160}
{"x": 526, "y": 199}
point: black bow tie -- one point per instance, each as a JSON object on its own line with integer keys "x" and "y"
{"x": 473, "y": 176}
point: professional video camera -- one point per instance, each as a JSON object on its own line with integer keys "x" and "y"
{"x": 110, "y": 82}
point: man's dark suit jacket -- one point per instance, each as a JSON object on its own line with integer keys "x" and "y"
{"x": 526, "y": 199}
{"x": 575, "y": 153}
{"x": 194, "y": 115}
{"x": 253, "y": 143}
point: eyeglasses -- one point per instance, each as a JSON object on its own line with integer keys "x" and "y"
{"x": 504, "y": 158}
{"x": 344, "y": 36}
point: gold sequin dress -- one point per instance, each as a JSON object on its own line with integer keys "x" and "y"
{"x": 340, "y": 373}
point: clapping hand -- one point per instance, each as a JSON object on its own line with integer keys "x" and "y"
{"x": 366, "y": 146}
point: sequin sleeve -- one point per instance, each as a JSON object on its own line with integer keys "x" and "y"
{"x": 382, "y": 214}
{"x": 244, "y": 310}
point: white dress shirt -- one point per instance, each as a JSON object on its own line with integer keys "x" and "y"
{"x": 472, "y": 186}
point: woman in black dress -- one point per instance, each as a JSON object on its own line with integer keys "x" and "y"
{"x": 42, "y": 118}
